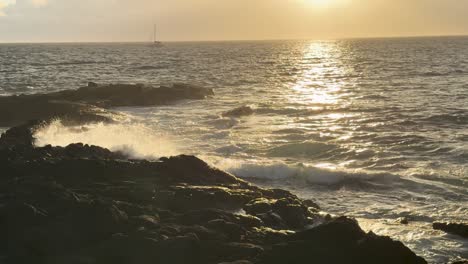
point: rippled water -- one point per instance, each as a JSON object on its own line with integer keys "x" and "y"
{"x": 376, "y": 129}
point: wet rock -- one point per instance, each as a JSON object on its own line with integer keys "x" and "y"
{"x": 239, "y": 111}
{"x": 292, "y": 211}
{"x": 320, "y": 244}
{"x": 258, "y": 206}
{"x": 88, "y": 104}
{"x": 280, "y": 213}
{"x": 403, "y": 220}
{"x": 460, "y": 262}
{"x": 268, "y": 235}
{"x": 278, "y": 194}
{"x": 234, "y": 231}
{"x": 187, "y": 197}
{"x": 15, "y": 110}
{"x": 19, "y": 136}
{"x": 311, "y": 204}
{"x": 273, "y": 220}
{"x": 191, "y": 170}
{"x": 146, "y": 221}
{"x": 460, "y": 229}
{"x": 92, "y": 84}
{"x": 249, "y": 221}
{"x": 116, "y": 95}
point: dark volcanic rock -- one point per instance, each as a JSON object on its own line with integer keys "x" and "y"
{"x": 86, "y": 104}
{"x": 20, "y": 136}
{"x": 460, "y": 262}
{"x": 460, "y": 229}
{"x": 15, "y": 110}
{"x": 239, "y": 111}
{"x": 281, "y": 213}
{"x": 86, "y": 204}
{"x": 339, "y": 241}
{"x": 114, "y": 95}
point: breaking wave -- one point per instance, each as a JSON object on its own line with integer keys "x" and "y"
{"x": 134, "y": 140}
{"x": 302, "y": 173}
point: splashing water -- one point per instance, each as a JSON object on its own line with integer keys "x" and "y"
{"x": 135, "y": 140}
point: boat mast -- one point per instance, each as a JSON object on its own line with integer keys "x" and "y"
{"x": 154, "y": 36}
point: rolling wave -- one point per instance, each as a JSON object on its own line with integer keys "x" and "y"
{"x": 304, "y": 149}
{"x": 65, "y": 63}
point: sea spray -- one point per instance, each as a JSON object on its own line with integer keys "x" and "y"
{"x": 134, "y": 139}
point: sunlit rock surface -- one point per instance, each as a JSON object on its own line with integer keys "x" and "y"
{"x": 86, "y": 204}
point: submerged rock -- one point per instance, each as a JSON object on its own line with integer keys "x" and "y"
{"x": 239, "y": 111}
{"x": 460, "y": 229}
{"x": 403, "y": 220}
{"x": 86, "y": 204}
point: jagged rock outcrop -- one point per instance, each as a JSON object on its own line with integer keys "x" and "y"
{"x": 86, "y": 204}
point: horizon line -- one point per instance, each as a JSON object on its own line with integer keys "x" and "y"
{"x": 242, "y": 40}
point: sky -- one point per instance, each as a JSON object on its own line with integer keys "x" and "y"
{"x": 197, "y": 20}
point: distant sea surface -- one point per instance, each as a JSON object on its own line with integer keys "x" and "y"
{"x": 374, "y": 128}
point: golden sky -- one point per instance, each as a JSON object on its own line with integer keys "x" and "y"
{"x": 177, "y": 20}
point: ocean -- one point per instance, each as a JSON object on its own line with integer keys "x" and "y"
{"x": 376, "y": 129}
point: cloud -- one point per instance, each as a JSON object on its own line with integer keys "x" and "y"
{"x": 39, "y": 3}
{"x": 4, "y": 4}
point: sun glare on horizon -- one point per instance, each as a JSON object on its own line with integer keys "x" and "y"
{"x": 324, "y": 4}
{"x": 319, "y": 3}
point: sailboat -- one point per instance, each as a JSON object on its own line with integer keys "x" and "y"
{"x": 156, "y": 43}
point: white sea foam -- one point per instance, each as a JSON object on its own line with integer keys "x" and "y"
{"x": 299, "y": 172}
{"x": 136, "y": 140}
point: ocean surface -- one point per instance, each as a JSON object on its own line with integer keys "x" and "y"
{"x": 373, "y": 128}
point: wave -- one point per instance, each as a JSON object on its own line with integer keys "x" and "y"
{"x": 434, "y": 74}
{"x": 302, "y": 173}
{"x": 223, "y": 123}
{"x": 438, "y": 74}
{"x": 459, "y": 118}
{"x": 303, "y": 149}
{"x": 293, "y": 111}
{"x": 150, "y": 67}
{"x": 135, "y": 140}
{"x": 374, "y": 97}
{"x": 68, "y": 63}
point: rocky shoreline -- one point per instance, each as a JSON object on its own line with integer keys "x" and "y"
{"x": 85, "y": 204}
{"x": 91, "y": 103}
